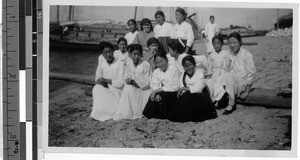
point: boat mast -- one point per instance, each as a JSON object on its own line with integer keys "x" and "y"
{"x": 57, "y": 14}
{"x": 277, "y": 19}
{"x": 135, "y": 10}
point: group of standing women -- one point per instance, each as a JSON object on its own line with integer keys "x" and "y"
{"x": 153, "y": 75}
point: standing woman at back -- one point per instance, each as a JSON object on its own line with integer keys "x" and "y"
{"x": 211, "y": 29}
{"x": 133, "y": 31}
{"x": 183, "y": 30}
{"x": 146, "y": 33}
{"x": 162, "y": 30}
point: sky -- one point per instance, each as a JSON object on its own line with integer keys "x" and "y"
{"x": 256, "y": 18}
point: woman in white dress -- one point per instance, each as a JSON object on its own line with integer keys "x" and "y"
{"x": 193, "y": 103}
{"x": 136, "y": 91}
{"x": 211, "y": 29}
{"x": 183, "y": 30}
{"x": 109, "y": 84}
{"x": 176, "y": 54}
{"x": 164, "y": 85}
{"x": 121, "y": 54}
{"x": 242, "y": 69}
{"x": 218, "y": 75}
{"x": 162, "y": 30}
{"x": 132, "y": 25}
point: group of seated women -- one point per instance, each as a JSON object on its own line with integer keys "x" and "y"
{"x": 156, "y": 76}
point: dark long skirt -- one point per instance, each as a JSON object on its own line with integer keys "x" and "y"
{"x": 193, "y": 107}
{"x": 164, "y": 42}
{"x": 160, "y": 110}
{"x": 190, "y": 52}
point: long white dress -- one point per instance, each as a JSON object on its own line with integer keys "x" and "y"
{"x": 220, "y": 82}
{"x": 105, "y": 100}
{"x": 133, "y": 100}
{"x": 242, "y": 70}
{"x": 201, "y": 62}
{"x": 210, "y": 31}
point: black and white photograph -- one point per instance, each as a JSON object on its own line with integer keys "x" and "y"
{"x": 185, "y": 75}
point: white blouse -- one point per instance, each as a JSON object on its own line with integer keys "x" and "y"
{"x": 183, "y": 31}
{"x": 218, "y": 63}
{"x": 124, "y": 57}
{"x": 168, "y": 80}
{"x": 195, "y": 83}
{"x": 130, "y": 37}
{"x": 141, "y": 73}
{"x": 163, "y": 30}
{"x": 242, "y": 65}
{"x": 201, "y": 62}
{"x": 113, "y": 71}
{"x": 211, "y": 29}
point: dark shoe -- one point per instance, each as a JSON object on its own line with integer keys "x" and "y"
{"x": 223, "y": 102}
{"x": 226, "y": 112}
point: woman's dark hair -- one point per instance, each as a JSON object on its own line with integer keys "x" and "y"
{"x": 174, "y": 44}
{"x": 105, "y": 44}
{"x": 211, "y": 17}
{"x": 133, "y": 47}
{"x": 237, "y": 36}
{"x": 181, "y": 11}
{"x": 219, "y": 37}
{"x": 159, "y": 13}
{"x": 132, "y": 21}
{"x": 162, "y": 54}
{"x": 122, "y": 39}
{"x": 190, "y": 59}
{"x": 145, "y": 21}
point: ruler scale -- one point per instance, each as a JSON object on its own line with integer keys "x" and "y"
{"x": 11, "y": 123}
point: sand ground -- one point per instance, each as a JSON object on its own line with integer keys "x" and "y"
{"x": 249, "y": 127}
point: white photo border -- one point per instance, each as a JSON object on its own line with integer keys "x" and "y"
{"x": 182, "y": 152}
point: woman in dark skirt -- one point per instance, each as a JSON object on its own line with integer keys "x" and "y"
{"x": 164, "y": 85}
{"x": 193, "y": 103}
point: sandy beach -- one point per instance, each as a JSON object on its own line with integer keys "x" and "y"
{"x": 249, "y": 127}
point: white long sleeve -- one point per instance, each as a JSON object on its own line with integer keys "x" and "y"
{"x": 195, "y": 83}
{"x": 99, "y": 73}
{"x": 141, "y": 74}
{"x": 168, "y": 80}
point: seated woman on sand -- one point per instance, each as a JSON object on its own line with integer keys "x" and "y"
{"x": 109, "y": 84}
{"x": 136, "y": 91}
{"x": 176, "y": 54}
{"x": 164, "y": 85}
{"x": 153, "y": 45}
{"x": 193, "y": 103}
{"x": 218, "y": 74}
{"x": 146, "y": 33}
{"x": 242, "y": 69}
